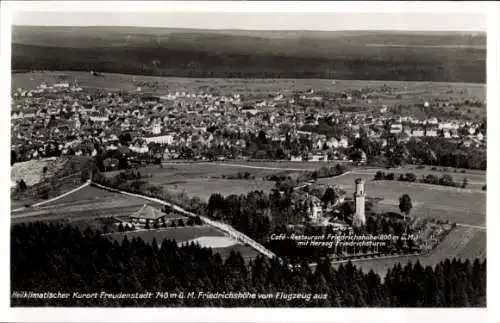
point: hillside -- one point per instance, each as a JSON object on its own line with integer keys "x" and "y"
{"x": 442, "y": 57}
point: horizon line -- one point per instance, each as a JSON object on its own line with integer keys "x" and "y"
{"x": 263, "y": 30}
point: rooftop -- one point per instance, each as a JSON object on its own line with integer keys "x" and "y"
{"x": 148, "y": 212}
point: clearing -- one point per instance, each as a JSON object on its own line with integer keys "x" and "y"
{"x": 461, "y": 243}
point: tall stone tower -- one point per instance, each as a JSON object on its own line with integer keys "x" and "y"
{"x": 359, "y": 218}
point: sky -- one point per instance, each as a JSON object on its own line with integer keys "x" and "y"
{"x": 260, "y": 20}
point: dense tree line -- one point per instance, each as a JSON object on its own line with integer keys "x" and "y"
{"x": 445, "y": 180}
{"x": 445, "y": 153}
{"x": 201, "y": 63}
{"x": 84, "y": 262}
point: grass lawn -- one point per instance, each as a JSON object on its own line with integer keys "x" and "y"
{"x": 203, "y": 188}
{"x": 461, "y": 243}
{"x": 87, "y": 202}
{"x": 454, "y": 204}
{"x": 408, "y": 91}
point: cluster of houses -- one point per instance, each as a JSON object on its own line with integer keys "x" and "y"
{"x": 72, "y": 120}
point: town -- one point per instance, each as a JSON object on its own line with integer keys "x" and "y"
{"x": 65, "y": 119}
{"x": 336, "y": 132}
{"x": 180, "y": 167}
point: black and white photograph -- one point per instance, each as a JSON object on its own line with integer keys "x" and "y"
{"x": 238, "y": 159}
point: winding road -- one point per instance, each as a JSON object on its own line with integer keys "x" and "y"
{"x": 232, "y": 232}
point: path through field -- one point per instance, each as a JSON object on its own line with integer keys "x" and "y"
{"x": 55, "y": 198}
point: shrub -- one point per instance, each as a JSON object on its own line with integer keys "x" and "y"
{"x": 379, "y": 175}
{"x": 431, "y": 179}
{"x": 22, "y": 185}
{"x": 465, "y": 182}
{"x": 446, "y": 180}
{"x": 410, "y": 177}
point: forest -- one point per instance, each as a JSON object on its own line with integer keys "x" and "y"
{"x": 84, "y": 262}
{"x": 232, "y": 54}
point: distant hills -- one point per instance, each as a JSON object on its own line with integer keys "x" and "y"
{"x": 364, "y": 55}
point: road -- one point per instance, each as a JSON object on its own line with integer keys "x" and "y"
{"x": 232, "y": 232}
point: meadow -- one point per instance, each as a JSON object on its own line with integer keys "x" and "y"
{"x": 87, "y": 203}
{"x": 460, "y": 243}
{"x": 439, "y": 202}
{"x": 466, "y": 206}
{"x": 203, "y": 179}
{"x": 406, "y": 91}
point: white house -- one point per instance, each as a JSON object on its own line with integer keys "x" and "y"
{"x": 431, "y": 133}
{"x": 396, "y": 128}
{"x": 318, "y": 157}
{"x": 163, "y": 139}
{"x": 417, "y": 133}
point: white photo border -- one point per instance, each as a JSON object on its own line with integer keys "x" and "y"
{"x": 489, "y": 9}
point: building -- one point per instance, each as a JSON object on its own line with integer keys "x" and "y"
{"x": 396, "y": 128}
{"x": 318, "y": 157}
{"x": 359, "y": 218}
{"x": 314, "y": 208}
{"x": 148, "y": 214}
{"x": 163, "y": 139}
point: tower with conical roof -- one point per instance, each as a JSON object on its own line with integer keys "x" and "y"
{"x": 359, "y": 218}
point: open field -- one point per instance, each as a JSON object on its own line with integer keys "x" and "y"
{"x": 416, "y": 91}
{"x": 179, "y": 171}
{"x": 203, "y": 188}
{"x": 476, "y": 178}
{"x": 466, "y": 206}
{"x": 453, "y": 204}
{"x": 89, "y": 202}
{"x": 211, "y": 242}
{"x": 461, "y": 243}
{"x": 448, "y": 57}
{"x": 203, "y": 179}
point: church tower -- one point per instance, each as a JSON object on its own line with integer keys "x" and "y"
{"x": 359, "y": 218}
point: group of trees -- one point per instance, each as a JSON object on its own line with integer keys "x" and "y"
{"x": 325, "y": 171}
{"x": 250, "y": 214}
{"x": 445, "y": 180}
{"x": 190, "y": 221}
{"x": 239, "y": 175}
{"x": 73, "y": 260}
{"x": 259, "y": 146}
{"x": 445, "y": 153}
